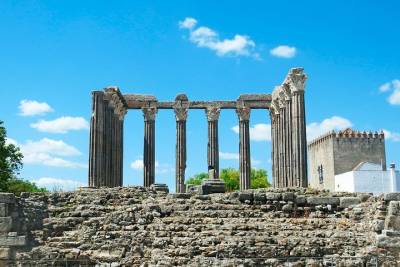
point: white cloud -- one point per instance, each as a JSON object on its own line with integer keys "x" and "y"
{"x": 228, "y": 156}
{"x": 337, "y": 123}
{"x": 259, "y": 132}
{"x": 58, "y": 183}
{"x": 61, "y": 125}
{"x": 283, "y": 51}
{"x": 50, "y": 146}
{"x": 394, "y": 88}
{"x": 187, "y": 23}
{"x": 48, "y": 152}
{"x": 239, "y": 45}
{"x": 395, "y": 137}
{"x": 137, "y": 164}
{"x": 32, "y": 108}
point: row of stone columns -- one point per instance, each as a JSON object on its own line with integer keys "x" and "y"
{"x": 288, "y": 132}
{"x": 106, "y": 138}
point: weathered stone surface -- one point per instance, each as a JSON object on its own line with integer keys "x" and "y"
{"x": 212, "y": 186}
{"x": 5, "y": 254}
{"x": 346, "y": 202}
{"x": 323, "y": 200}
{"x": 12, "y": 241}
{"x": 3, "y": 210}
{"x": 392, "y": 221}
{"x": 5, "y": 224}
{"x": 273, "y": 196}
{"x": 392, "y": 196}
{"x": 7, "y": 198}
{"x": 139, "y": 226}
{"x": 288, "y": 196}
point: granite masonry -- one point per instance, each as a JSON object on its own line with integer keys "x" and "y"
{"x": 140, "y": 226}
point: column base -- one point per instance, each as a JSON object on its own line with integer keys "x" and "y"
{"x": 212, "y": 186}
{"x": 160, "y": 187}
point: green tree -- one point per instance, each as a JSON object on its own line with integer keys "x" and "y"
{"x": 10, "y": 159}
{"x": 197, "y": 178}
{"x": 10, "y": 165}
{"x": 231, "y": 177}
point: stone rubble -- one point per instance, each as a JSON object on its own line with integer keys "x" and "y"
{"x": 137, "y": 226}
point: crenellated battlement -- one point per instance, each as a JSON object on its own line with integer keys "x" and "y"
{"x": 346, "y": 134}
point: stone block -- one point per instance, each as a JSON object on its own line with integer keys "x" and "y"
{"x": 273, "y": 196}
{"x": 246, "y": 196}
{"x": 260, "y": 197}
{"x": 288, "y": 196}
{"x": 5, "y": 224}
{"x": 212, "y": 186}
{"x": 334, "y": 201}
{"x": 160, "y": 188}
{"x": 182, "y": 195}
{"x": 12, "y": 241}
{"x": 383, "y": 241}
{"x": 5, "y": 253}
{"x": 7, "y": 198}
{"x": 301, "y": 200}
{"x": 346, "y": 202}
{"x": 3, "y": 209}
{"x": 392, "y": 196}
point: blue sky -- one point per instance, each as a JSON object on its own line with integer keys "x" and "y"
{"x": 53, "y": 53}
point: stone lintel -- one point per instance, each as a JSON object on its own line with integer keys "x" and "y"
{"x": 261, "y": 104}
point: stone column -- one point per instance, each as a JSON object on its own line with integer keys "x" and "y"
{"x": 283, "y": 147}
{"x": 149, "y": 114}
{"x": 288, "y": 137}
{"x": 274, "y": 114}
{"x": 96, "y": 147}
{"x": 296, "y": 80}
{"x": 212, "y": 113}
{"x": 180, "y": 108}
{"x": 244, "y": 147}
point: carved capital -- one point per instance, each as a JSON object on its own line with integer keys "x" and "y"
{"x": 243, "y": 113}
{"x": 296, "y": 79}
{"x": 149, "y": 113}
{"x": 213, "y": 113}
{"x": 181, "y": 107}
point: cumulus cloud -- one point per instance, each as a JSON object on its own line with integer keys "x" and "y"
{"x": 283, "y": 51}
{"x": 258, "y": 132}
{"x": 393, "y": 88}
{"x": 393, "y": 136}
{"x": 239, "y": 45}
{"x": 336, "y": 123}
{"x": 33, "y": 108}
{"x": 61, "y": 125}
{"x": 49, "y": 152}
{"x": 52, "y": 183}
{"x": 187, "y": 23}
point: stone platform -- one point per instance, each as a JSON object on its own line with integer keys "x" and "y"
{"x": 136, "y": 226}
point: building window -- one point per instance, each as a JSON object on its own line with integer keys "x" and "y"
{"x": 321, "y": 174}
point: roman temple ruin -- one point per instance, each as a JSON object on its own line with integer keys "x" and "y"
{"x": 288, "y": 133}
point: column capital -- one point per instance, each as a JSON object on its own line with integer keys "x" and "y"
{"x": 296, "y": 79}
{"x": 212, "y": 113}
{"x": 149, "y": 113}
{"x": 181, "y": 107}
{"x": 243, "y": 113}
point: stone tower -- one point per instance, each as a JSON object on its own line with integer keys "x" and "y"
{"x": 336, "y": 153}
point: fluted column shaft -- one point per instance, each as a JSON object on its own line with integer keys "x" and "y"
{"x": 289, "y": 144}
{"x": 299, "y": 139}
{"x": 282, "y": 138}
{"x": 149, "y": 114}
{"x": 212, "y": 146}
{"x": 244, "y": 147}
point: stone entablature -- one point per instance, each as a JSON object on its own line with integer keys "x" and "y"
{"x": 287, "y": 112}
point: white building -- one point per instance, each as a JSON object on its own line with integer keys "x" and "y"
{"x": 369, "y": 178}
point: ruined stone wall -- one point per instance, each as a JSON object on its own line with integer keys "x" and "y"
{"x": 134, "y": 226}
